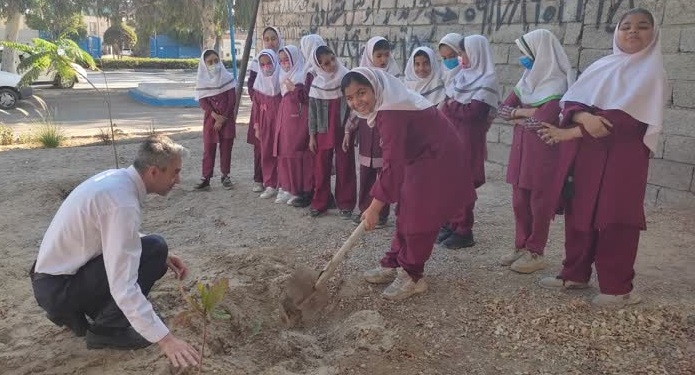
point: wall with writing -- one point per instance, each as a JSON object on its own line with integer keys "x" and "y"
{"x": 585, "y": 27}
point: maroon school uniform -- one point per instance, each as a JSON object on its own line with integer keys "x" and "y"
{"x": 605, "y": 214}
{"x": 472, "y": 122}
{"x": 370, "y": 160}
{"x": 223, "y": 104}
{"x": 420, "y": 150}
{"x": 250, "y": 133}
{"x": 329, "y": 144}
{"x": 292, "y": 143}
{"x": 268, "y": 107}
{"x": 531, "y": 168}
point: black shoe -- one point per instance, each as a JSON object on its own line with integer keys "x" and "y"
{"x": 444, "y": 233}
{"x": 226, "y": 182}
{"x": 457, "y": 241}
{"x": 77, "y": 323}
{"x": 204, "y": 184}
{"x": 116, "y": 338}
{"x": 345, "y": 214}
{"x": 357, "y": 218}
{"x": 315, "y": 213}
{"x": 381, "y": 223}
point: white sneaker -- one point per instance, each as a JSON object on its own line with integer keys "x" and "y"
{"x": 509, "y": 259}
{"x": 403, "y": 287}
{"x": 283, "y": 196}
{"x": 380, "y": 275}
{"x": 529, "y": 263}
{"x": 293, "y": 198}
{"x": 613, "y": 301}
{"x": 558, "y": 283}
{"x": 257, "y": 187}
{"x": 269, "y": 192}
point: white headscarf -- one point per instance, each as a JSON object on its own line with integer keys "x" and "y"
{"x": 551, "y": 73}
{"x": 211, "y": 84}
{"x": 268, "y": 85}
{"x": 431, "y": 87}
{"x": 391, "y": 94}
{"x": 478, "y": 81}
{"x": 633, "y": 83}
{"x": 326, "y": 85}
{"x": 309, "y": 43}
{"x": 296, "y": 73}
{"x": 368, "y": 55}
{"x": 453, "y": 41}
{"x": 254, "y": 63}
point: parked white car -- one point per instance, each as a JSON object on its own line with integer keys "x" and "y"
{"x": 52, "y": 77}
{"x": 10, "y": 93}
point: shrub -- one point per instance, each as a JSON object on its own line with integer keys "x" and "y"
{"x": 120, "y": 35}
{"x": 152, "y": 63}
{"x": 50, "y": 134}
{"x": 6, "y": 135}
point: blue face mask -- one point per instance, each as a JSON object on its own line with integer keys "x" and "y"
{"x": 451, "y": 63}
{"x": 526, "y": 62}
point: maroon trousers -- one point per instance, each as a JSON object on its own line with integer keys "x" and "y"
{"x": 613, "y": 250}
{"x": 409, "y": 251}
{"x": 295, "y": 174}
{"x": 368, "y": 177}
{"x": 345, "y": 176}
{"x": 257, "y": 170}
{"x": 462, "y": 222}
{"x": 532, "y": 219}
{"x": 209, "y": 151}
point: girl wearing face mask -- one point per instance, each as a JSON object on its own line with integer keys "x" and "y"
{"x": 472, "y": 100}
{"x": 267, "y": 98}
{"x": 215, "y": 91}
{"x": 450, "y": 52}
{"x": 376, "y": 55}
{"x": 292, "y": 133}
{"x": 420, "y": 149}
{"x": 611, "y": 120}
{"x": 423, "y": 75}
{"x": 327, "y": 109}
{"x": 272, "y": 40}
{"x": 532, "y": 162}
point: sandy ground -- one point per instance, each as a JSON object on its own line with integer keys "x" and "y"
{"x": 477, "y": 318}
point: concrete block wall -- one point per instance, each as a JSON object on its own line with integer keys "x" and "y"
{"x": 584, "y": 27}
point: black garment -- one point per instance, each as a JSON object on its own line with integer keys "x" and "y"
{"x": 68, "y": 298}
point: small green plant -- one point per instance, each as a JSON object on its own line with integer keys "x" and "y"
{"x": 50, "y": 135}
{"x": 204, "y": 305}
{"x": 6, "y": 135}
{"x": 104, "y": 136}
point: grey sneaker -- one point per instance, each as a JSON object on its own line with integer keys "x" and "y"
{"x": 559, "y": 283}
{"x": 257, "y": 187}
{"x": 529, "y": 263}
{"x": 380, "y": 275}
{"x": 269, "y": 193}
{"x": 613, "y": 301}
{"x": 403, "y": 287}
{"x": 507, "y": 260}
{"x": 227, "y": 182}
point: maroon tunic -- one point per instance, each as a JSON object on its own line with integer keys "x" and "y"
{"x": 610, "y": 173}
{"x": 472, "y": 123}
{"x": 223, "y": 104}
{"x": 420, "y": 149}
{"x": 268, "y": 107}
{"x": 532, "y": 162}
{"x": 295, "y": 161}
{"x": 250, "y": 135}
{"x": 333, "y": 138}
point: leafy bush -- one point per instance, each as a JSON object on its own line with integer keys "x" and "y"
{"x": 6, "y": 135}
{"x": 120, "y": 35}
{"x": 152, "y": 63}
{"x": 50, "y": 134}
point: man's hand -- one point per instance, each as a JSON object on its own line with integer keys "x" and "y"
{"x": 177, "y": 266}
{"x": 179, "y": 352}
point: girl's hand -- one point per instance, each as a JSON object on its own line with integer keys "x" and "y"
{"x": 371, "y": 218}
{"x": 218, "y": 125}
{"x": 596, "y": 126}
{"x": 288, "y": 85}
{"x": 505, "y": 112}
{"x": 257, "y": 132}
{"x": 346, "y": 142}
{"x": 312, "y": 143}
{"x": 551, "y": 134}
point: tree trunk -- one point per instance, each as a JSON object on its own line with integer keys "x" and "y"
{"x": 10, "y": 59}
{"x": 207, "y": 20}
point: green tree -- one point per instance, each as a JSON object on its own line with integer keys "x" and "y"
{"x": 43, "y": 55}
{"x": 120, "y": 35}
{"x": 59, "y": 18}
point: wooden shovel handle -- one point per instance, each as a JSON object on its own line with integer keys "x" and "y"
{"x": 330, "y": 267}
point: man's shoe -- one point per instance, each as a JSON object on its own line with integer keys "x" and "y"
{"x": 117, "y": 338}
{"x": 444, "y": 233}
{"x": 77, "y": 323}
